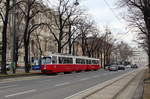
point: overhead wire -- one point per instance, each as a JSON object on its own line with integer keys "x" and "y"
{"x": 117, "y": 18}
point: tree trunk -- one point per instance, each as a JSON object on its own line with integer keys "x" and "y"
{"x": 26, "y": 42}
{"x": 26, "y": 58}
{"x": 149, "y": 48}
{"x": 104, "y": 58}
{"x": 59, "y": 47}
{"x": 73, "y": 53}
{"x": 17, "y": 52}
{"x": 69, "y": 39}
{"x": 83, "y": 46}
{"x": 4, "y": 38}
{"x": 101, "y": 55}
{"x": 70, "y": 48}
{"x": 147, "y": 22}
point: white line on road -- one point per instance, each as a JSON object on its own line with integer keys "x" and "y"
{"x": 61, "y": 84}
{"x": 106, "y": 74}
{"x": 44, "y": 80}
{"x": 8, "y": 86}
{"x": 95, "y": 76}
{"x": 84, "y": 79}
{"x": 69, "y": 97}
{"x": 20, "y": 93}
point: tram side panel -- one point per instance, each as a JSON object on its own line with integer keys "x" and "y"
{"x": 56, "y": 64}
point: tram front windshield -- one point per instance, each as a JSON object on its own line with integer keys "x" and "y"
{"x": 46, "y": 60}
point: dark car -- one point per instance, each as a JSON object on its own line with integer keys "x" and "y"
{"x": 7, "y": 67}
{"x": 107, "y": 66}
{"x": 121, "y": 67}
{"x": 134, "y": 66}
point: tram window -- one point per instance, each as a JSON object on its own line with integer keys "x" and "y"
{"x": 77, "y": 61}
{"x": 93, "y": 61}
{"x": 46, "y": 60}
{"x": 54, "y": 59}
{"x": 65, "y": 60}
{"x": 60, "y": 60}
{"x": 80, "y": 61}
{"x": 87, "y": 61}
{"x": 97, "y": 62}
{"x": 70, "y": 61}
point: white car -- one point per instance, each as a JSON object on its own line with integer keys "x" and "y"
{"x": 7, "y": 67}
{"x": 128, "y": 66}
{"x": 113, "y": 68}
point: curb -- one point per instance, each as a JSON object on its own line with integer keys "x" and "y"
{"x": 19, "y": 75}
{"x": 94, "y": 90}
{"x": 129, "y": 83}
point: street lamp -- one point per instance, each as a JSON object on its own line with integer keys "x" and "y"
{"x": 14, "y": 37}
{"x": 76, "y": 3}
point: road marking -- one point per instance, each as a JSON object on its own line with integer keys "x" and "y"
{"x": 61, "y": 84}
{"x": 95, "y": 76}
{"x": 44, "y": 80}
{"x": 80, "y": 92}
{"x": 21, "y": 79}
{"x": 106, "y": 74}
{"x": 69, "y": 97}
{"x": 84, "y": 79}
{"x": 8, "y": 86}
{"x": 20, "y": 93}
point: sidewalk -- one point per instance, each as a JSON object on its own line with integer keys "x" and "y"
{"x": 146, "y": 94}
{"x": 20, "y": 73}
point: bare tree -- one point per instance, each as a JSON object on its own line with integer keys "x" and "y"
{"x": 61, "y": 19}
{"x": 124, "y": 51}
{"x": 85, "y": 28}
{"x": 72, "y": 24}
{"x": 143, "y": 6}
{"x": 4, "y": 14}
{"x": 38, "y": 44}
{"x": 93, "y": 42}
{"x": 30, "y": 9}
{"x": 106, "y": 45}
{"x": 19, "y": 33}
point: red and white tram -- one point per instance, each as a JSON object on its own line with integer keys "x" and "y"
{"x": 66, "y": 63}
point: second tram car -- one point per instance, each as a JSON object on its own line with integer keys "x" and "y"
{"x": 66, "y": 63}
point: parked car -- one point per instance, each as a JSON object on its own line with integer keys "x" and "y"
{"x": 128, "y": 66}
{"x": 107, "y": 66}
{"x": 7, "y": 67}
{"x": 134, "y": 66}
{"x": 113, "y": 68}
{"x": 121, "y": 67}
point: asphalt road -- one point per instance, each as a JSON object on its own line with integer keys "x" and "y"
{"x": 54, "y": 86}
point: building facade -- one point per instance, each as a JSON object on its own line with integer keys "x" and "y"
{"x": 139, "y": 57}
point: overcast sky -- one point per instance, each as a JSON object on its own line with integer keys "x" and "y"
{"x": 103, "y": 15}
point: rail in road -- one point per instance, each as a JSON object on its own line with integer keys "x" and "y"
{"x": 56, "y": 87}
{"x": 109, "y": 89}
